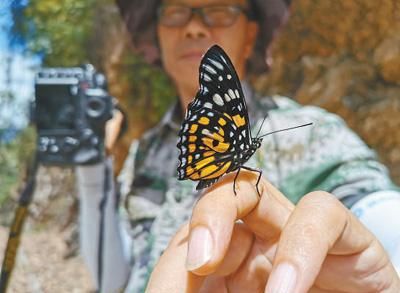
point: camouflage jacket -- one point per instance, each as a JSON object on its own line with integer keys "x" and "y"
{"x": 327, "y": 156}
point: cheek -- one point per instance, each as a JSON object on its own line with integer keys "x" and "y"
{"x": 234, "y": 43}
{"x": 166, "y": 41}
{"x": 163, "y": 43}
{"x": 176, "y": 67}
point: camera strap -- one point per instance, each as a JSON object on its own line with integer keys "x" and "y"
{"x": 17, "y": 226}
{"x": 102, "y": 207}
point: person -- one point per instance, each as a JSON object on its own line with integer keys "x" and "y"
{"x": 328, "y": 214}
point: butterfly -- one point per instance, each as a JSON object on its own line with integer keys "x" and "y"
{"x": 215, "y": 136}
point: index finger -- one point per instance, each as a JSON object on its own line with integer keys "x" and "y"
{"x": 216, "y": 212}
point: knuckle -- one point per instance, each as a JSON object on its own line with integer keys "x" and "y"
{"x": 321, "y": 200}
{"x": 326, "y": 216}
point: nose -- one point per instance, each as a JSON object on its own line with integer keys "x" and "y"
{"x": 195, "y": 28}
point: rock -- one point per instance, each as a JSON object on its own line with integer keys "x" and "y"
{"x": 387, "y": 59}
{"x": 344, "y": 56}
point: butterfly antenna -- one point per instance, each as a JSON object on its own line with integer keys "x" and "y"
{"x": 262, "y": 123}
{"x": 290, "y": 128}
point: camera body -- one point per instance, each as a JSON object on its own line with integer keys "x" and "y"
{"x": 70, "y": 111}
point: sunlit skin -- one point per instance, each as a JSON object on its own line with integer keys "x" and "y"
{"x": 182, "y": 48}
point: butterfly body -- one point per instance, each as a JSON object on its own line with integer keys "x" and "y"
{"x": 215, "y": 136}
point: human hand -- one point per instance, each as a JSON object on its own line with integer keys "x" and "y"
{"x": 113, "y": 128}
{"x": 316, "y": 246}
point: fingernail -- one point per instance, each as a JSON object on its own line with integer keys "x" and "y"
{"x": 282, "y": 279}
{"x": 200, "y": 248}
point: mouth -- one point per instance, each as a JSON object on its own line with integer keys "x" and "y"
{"x": 192, "y": 55}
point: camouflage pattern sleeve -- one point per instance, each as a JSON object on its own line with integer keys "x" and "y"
{"x": 326, "y": 156}
{"x": 154, "y": 204}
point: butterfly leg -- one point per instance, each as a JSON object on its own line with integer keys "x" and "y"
{"x": 258, "y": 179}
{"x": 234, "y": 181}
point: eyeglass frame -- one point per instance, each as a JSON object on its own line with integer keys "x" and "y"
{"x": 200, "y": 12}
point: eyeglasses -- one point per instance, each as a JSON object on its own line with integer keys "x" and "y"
{"x": 213, "y": 16}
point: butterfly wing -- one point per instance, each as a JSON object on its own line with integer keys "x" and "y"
{"x": 206, "y": 147}
{"x": 220, "y": 87}
{"x": 216, "y": 126}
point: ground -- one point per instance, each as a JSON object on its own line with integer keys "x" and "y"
{"x": 41, "y": 266}
{"x": 48, "y": 258}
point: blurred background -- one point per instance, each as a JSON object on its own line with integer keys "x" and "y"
{"x": 341, "y": 55}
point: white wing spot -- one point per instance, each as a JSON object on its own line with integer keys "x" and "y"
{"x": 184, "y": 149}
{"x": 244, "y": 132}
{"x": 183, "y": 161}
{"x": 206, "y": 77}
{"x": 220, "y": 78}
{"x": 218, "y": 100}
{"x": 185, "y": 127}
{"x": 209, "y": 69}
{"x": 210, "y": 114}
{"x": 231, "y": 94}
{"x": 208, "y": 105}
{"x": 206, "y": 132}
{"x": 229, "y": 76}
{"x": 227, "y": 98}
{"x": 223, "y": 59}
{"x": 193, "y": 118}
{"x": 203, "y": 89}
{"x": 237, "y": 93}
{"x": 197, "y": 156}
{"x": 231, "y": 134}
{"x": 216, "y": 63}
{"x": 242, "y": 146}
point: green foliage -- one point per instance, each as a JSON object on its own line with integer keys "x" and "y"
{"x": 151, "y": 91}
{"x": 14, "y": 157}
{"x": 59, "y": 29}
{"x": 72, "y": 32}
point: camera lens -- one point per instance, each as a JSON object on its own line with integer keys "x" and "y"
{"x": 95, "y": 107}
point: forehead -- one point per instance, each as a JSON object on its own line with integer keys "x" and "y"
{"x": 195, "y": 3}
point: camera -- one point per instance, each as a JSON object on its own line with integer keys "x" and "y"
{"x": 70, "y": 110}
